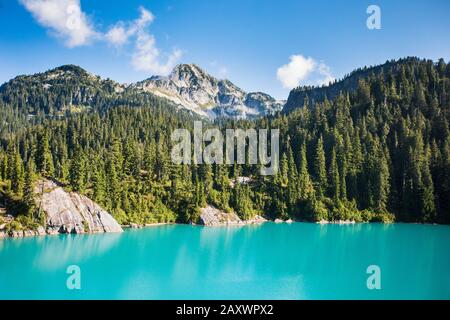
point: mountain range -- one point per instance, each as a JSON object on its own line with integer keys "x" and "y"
{"x": 70, "y": 88}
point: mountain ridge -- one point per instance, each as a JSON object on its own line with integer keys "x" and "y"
{"x": 70, "y": 88}
{"x": 191, "y": 87}
{"x": 348, "y": 84}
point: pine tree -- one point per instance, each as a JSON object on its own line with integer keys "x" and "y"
{"x": 293, "y": 188}
{"x": 3, "y": 166}
{"x": 243, "y": 202}
{"x": 113, "y": 187}
{"x": 305, "y": 186}
{"x": 77, "y": 171}
{"x": 99, "y": 185}
{"x": 44, "y": 159}
{"x": 320, "y": 169}
{"x": 382, "y": 183}
{"x": 28, "y": 190}
{"x": 16, "y": 173}
{"x": 334, "y": 175}
{"x": 427, "y": 200}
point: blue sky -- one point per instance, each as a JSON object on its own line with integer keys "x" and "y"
{"x": 246, "y": 41}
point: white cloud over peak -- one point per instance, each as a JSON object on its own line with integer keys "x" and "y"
{"x": 301, "y": 70}
{"x": 147, "y": 56}
{"x": 64, "y": 18}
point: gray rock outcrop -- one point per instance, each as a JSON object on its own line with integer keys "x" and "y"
{"x": 210, "y": 216}
{"x": 70, "y": 212}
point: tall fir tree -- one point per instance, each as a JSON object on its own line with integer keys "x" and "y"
{"x": 44, "y": 159}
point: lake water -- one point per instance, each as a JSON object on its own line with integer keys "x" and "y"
{"x": 269, "y": 261}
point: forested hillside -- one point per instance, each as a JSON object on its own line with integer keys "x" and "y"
{"x": 62, "y": 92}
{"x": 376, "y": 152}
{"x": 312, "y": 95}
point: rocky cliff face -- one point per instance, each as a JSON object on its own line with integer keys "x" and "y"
{"x": 65, "y": 212}
{"x": 190, "y": 87}
{"x": 69, "y": 212}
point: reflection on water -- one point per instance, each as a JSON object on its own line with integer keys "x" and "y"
{"x": 282, "y": 261}
{"x": 54, "y": 253}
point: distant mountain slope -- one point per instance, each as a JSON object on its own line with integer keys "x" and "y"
{"x": 64, "y": 89}
{"x": 349, "y": 83}
{"x": 71, "y": 89}
{"x": 192, "y": 88}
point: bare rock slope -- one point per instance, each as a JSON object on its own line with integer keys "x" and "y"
{"x": 70, "y": 212}
{"x": 192, "y": 88}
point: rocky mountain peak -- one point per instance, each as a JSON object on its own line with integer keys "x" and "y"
{"x": 192, "y": 88}
{"x": 188, "y": 71}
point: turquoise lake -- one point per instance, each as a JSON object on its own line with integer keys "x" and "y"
{"x": 268, "y": 261}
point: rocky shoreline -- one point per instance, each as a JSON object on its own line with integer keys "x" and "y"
{"x": 336, "y": 222}
{"x": 210, "y": 216}
{"x": 41, "y": 231}
{"x": 145, "y": 225}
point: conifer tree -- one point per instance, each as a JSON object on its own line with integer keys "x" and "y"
{"x": 113, "y": 187}
{"x": 334, "y": 176}
{"x": 28, "y": 190}
{"x": 427, "y": 199}
{"x": 306, "y": 189}
{"x": 99, "y": 185}
{"x": 16, "y": 173}
{"x": 77, "y": 171}
{"x": 44, "y": 159}
{"x": 320, "y": 169}
{"x": 293, "y": 187}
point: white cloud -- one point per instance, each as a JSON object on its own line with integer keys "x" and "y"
{"x": 325, "y": 71}
{"x": 64, "y": 18}
{"x": 119, "y": 34}
{"x": 147, "y": 57}
{"x": 145, "y": 18}
{"x": 301, "y": 70}
{"x": 295, "y": 71}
